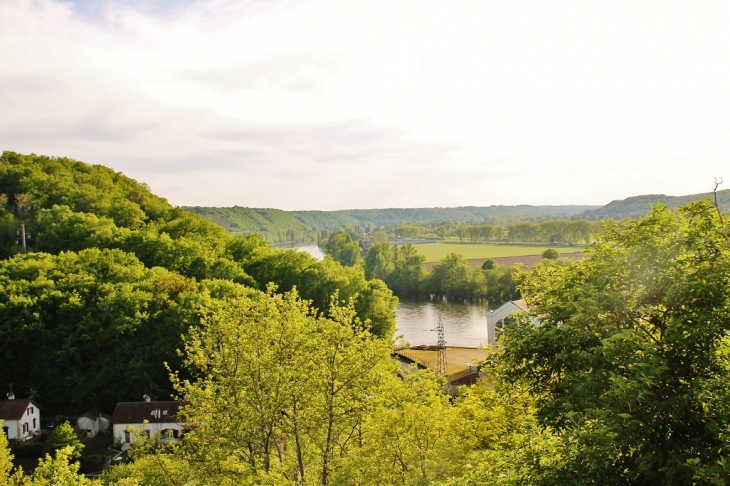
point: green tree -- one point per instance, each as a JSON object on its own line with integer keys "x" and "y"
{"x": 270, "y": 373}
{"x": 453, "y": 276}
{"x": 58, "y": 470}
{"x": 343, "y": 249}
{"x": 99, "y": 315}
{"x": 489, "y": 264}
{"x": 64, "y": 437}
{"x": 630, "y": 363}
{"x": 551, "y": 254}
{"x": 6, "y": 463}
{"x": 408, "y": 273}
{"x": 501, "y": 285}
{"x": 412, "y": 436}
{"x": 379, "y": 261}
{"x": 380, "y": 236}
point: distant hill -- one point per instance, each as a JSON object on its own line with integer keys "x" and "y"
{"x": 275, "y": 225}
{"x": 383, "y": 217}
{"x": 280, "y": 226}
{"x": 637, "y": 206}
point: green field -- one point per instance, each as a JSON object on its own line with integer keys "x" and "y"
{"x": 436, "y": 251}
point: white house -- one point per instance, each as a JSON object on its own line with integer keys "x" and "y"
{"x": 161, "y": 419}
{"x": 93, "y": 422}
{"x": 21, "y": 418}
{"x": 496, "y": 318}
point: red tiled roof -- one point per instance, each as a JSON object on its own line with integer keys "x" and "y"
{"x": 14, "y": 409}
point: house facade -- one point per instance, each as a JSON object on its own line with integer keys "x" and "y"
{"x": 21, "y": 418}
{"x": 161, "y": 418}
{"x": 93, "y": 422}
{"x": 496, "y": 318}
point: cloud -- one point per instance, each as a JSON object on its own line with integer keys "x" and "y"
{"x": 323, "y": 104}
{"x": 298, "y": 72}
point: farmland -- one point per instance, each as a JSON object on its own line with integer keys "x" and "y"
{"x": 436, "y": 251}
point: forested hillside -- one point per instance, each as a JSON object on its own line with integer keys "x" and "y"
{"x": 114, "y": 275}
{"x": 275, "y": 225}
{"x": 639, "y": 206}
{"x": 394, "y": 216}
{"x": 279, "y": 226}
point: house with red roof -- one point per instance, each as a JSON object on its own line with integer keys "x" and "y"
{"x": 21, "y": 418}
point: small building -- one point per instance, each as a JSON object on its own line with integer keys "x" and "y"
{"x": 161, "y": 420}
{"x": 21, "y": 418}
{"x": 93, "y": 422}
{"x": 496, "y": 318}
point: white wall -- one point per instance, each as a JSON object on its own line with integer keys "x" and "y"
{"x": 119, "y": 429}
{"x": 12, "y": 426}
{"x": 23, "y": 429}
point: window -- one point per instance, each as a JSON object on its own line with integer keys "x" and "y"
{"x": 153, "y": 413}
{"x": 34, "y": 424}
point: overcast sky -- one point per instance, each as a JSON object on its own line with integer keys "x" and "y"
{"x": 320, "y": 104}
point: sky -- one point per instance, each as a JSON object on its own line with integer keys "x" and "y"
{"x": 332, "y": 104}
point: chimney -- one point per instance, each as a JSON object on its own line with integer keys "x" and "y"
{"x": 11, "y": 395}
{"x": 146, "y": 398}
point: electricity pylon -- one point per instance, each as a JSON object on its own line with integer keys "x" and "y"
{"x": 441, "y": 369}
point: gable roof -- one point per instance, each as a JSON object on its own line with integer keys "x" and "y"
{"x": 14, "y": 409}
{"x": 506, "y": 309}
{"x": 521, "y": 304}
{"x": 96, "y": 413}
{"x": 138, "y": 412}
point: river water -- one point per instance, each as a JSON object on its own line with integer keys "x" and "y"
{"x": 313, "y": 250}
{"x": 465, "y": 324}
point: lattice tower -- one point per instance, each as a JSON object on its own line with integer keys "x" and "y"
{"x": 441, "y": 346}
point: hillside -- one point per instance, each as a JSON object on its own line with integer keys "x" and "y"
{"x": 383, "y": 217}
{"x": 279, "y": 226}
{"x": 275, "y": 225}
{"x": 638, "y": 206}
{"x": 114, "y": 276}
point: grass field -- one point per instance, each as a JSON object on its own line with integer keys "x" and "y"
{"x": 436, "y": 251}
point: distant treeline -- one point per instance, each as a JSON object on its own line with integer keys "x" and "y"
{"x": 548, "y": 231}
{"x": 295, "y": 227}
{"x": 494, "y": 222}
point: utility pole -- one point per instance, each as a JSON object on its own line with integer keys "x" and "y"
{"x": 441, "y": 368}
{"x": 22, "y": 236}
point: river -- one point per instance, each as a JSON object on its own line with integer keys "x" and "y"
{"x": 465, "y": 324}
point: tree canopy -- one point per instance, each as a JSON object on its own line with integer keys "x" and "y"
{"x": 113, "y": 277}
{"x": 630, "y": 362}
